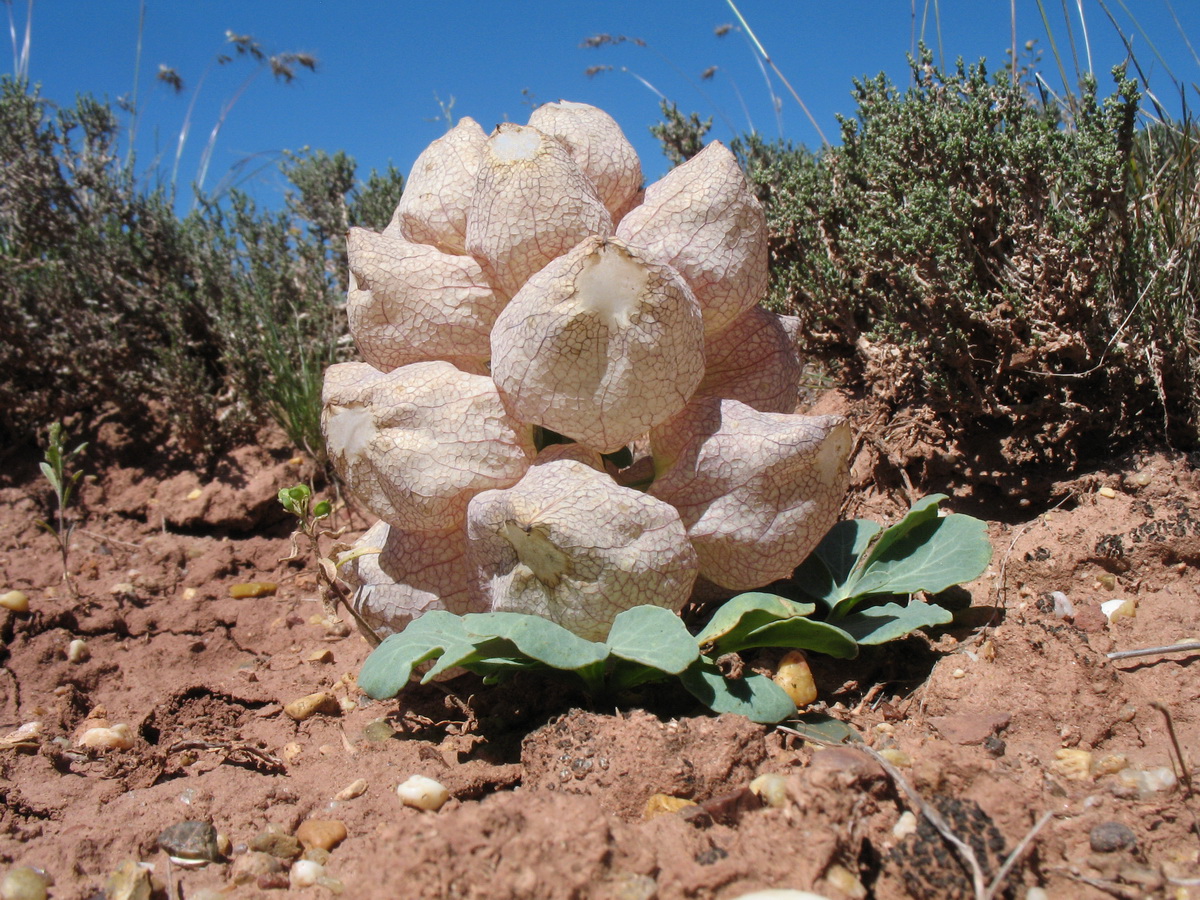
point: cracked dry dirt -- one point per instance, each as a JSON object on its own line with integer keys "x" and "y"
{"x": 548, "y": 797}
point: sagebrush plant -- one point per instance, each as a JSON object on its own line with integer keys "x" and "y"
{"x": 199, "y": 326}
{"x": 57, "y": 469}
{"x": 963, "y": 249}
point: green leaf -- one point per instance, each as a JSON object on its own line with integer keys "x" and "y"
{"x": 653, "y": 636}
{"x": 823, "y": 574}
{"x": 744, "y": 613}
{"x": 800, "y": 634}
{"x": 51, "y": 476}
{"x": 871, "y": 625}
{"x": 389, "y": 667}
{"x": 822, "y": 728}
{"x": 536, "y": 637}
{"x": 756, "y": 697}
{"x": 933, "y": 556}
{"x": 922, "y": 511}
{"x": 322, "y": 509}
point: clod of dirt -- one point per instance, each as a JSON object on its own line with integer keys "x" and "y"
{"x": 1108, "y": 837}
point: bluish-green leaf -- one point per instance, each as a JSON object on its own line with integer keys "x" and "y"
{"x": 879, "y": 624}
{"x": 798, "y": 634}
{"x": 823, "y": 728}
{"x": 536, "y": 637}
{"x": 922, "y": 511}
{"x": 389, "y": 667}
{"x": 654, "y": 637}
{"x": 744, "y": 613}
{"x": 931, "y": 557}
{"x": 824, "y": 573}
{"x": 756, "y": 697}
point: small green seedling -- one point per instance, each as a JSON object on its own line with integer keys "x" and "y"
{"x": 297, "y": 500}
{"x": 56, "y": 468}
{"x": 854, "y": 573}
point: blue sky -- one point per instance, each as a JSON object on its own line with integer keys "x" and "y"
{"x": 384, "y": 65}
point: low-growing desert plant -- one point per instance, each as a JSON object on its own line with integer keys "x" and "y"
{"x": 56, "y": 468}
{"x": 526, "y": 288}
{"x": 854, "y": 574}
{"x": 310, "y": 527}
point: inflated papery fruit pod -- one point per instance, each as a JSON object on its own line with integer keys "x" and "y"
{"x": 570, "y": 544}
{"x": 413, "y": 572}
{"x": 704, "y": 220}
{"x": 415, "y": 444}
{"x": 601, "y": 345}
{"x": 437, "y": 194}
{"x": 754, "y": 360}
{"x": 531, "y": 203}
{"x": 411, "y": 302}
{"x": 757, "y": 491}
{"x": 597, "y": 143}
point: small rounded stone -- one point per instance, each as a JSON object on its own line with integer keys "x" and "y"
{"x": 420, "y": 792}
{"x": 253, "y": 863}
{"x": 192, "y": 842}
{"x": 307, "y": 707}
{"x": 17, "y": 601}
{"x": 305, "y": 873}
{"x": 324, "y": 834}
{"x": 77, "y": 651}
{"x": 23, "y": 883}
{"x": 277, "y": 843}
{"x": 1108, "y": 837}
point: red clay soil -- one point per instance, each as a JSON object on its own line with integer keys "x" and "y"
{"x": 1012, "y": 712}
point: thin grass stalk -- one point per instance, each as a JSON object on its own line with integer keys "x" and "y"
{"x": 1182, "y": 31}
{"x": 21, "y": 57}
{"x": 1071, "y": 41}
{"x": 186, "y": 127}
{"x": 776, "y": 103}
{"x": 1087, "y": 43}
{"x": 226, "y": 109}
{"x": 135, "y": 109}
{"x": 774, "y": 68}
{"x": 937, "y": 24}
{"x": 1062, "y": 72}
{"x": 1012, "y": 14}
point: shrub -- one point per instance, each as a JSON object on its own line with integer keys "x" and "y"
{"x": 966, "y": 248}
{"x": 109, "y": 300}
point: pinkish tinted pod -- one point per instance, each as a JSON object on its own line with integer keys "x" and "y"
{"x": 437, "y": 194}
{"x": 704, "y": 220}
{"x": 601, "y": 345}
{"x": 757, "y": 491}
{"x": 411, "y": 302}
{"x": 568, "y": 543}
{"x": 412, "y": 573}
{"x": 596, "y": 142}
{"x": 754, "y": 360}
{"x": 531, "y": 203}
{"x": 417, "y": 443}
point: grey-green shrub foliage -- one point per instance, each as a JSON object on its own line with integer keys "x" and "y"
{"x": 110, "y": 302}
{"x": 972, "y": 247}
